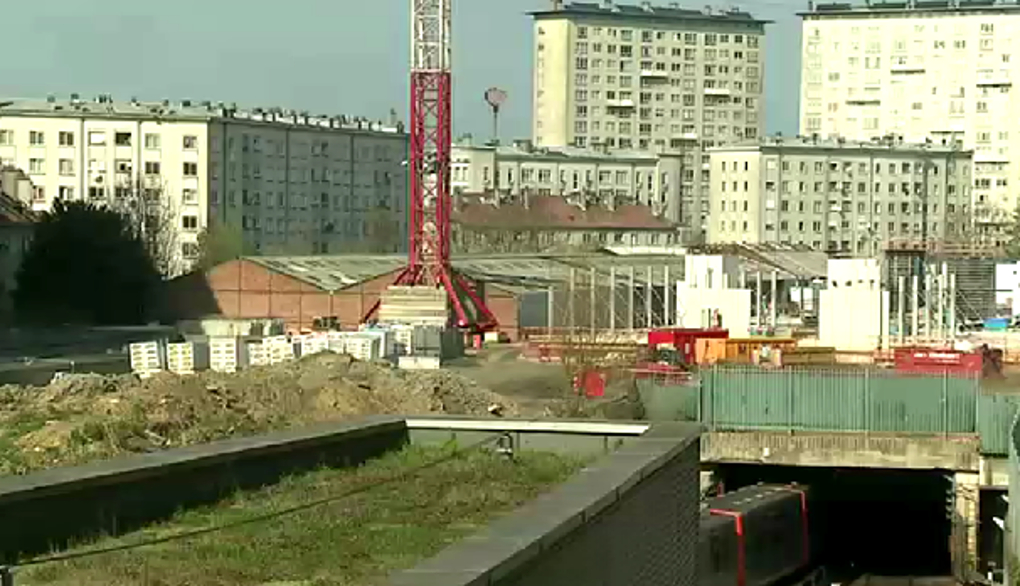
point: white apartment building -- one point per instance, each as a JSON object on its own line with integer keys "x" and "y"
{"x": 934, "y": 71}
{"x": 649, "y": 77}
{"x": 600, "y": 177}
{"x": 293, "y": 183}
{"x": 838, "y": 196}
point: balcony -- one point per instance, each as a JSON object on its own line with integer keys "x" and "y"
{"x": 619, "y": 103}
{"x": 654, "y": 74}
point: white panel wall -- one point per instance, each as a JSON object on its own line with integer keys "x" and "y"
{"x": 853, "y": 319}
{"x": 734, "y": 305}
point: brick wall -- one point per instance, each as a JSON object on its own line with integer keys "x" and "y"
{"x": 242, "y": 289}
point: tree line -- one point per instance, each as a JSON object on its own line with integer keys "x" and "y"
{"x": 103, "y": 264}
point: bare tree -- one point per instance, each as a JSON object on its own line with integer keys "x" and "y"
{"x": 153, "y": 216}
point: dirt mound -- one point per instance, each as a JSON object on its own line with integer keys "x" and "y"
{"x": 87, "y": 417}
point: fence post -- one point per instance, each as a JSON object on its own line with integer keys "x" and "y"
{"x": 945, "y": 404}
{"x": 866, "y": 399}
{"x": 790, "y": 378}
{"x": 6, "y": 576}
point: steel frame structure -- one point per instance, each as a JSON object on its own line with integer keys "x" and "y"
{"x": 429, "y": 165}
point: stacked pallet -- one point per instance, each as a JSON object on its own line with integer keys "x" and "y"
{"x": 181, "y": 358}
{"x": 147, "y": 358}
{"x": 224, "y": 355}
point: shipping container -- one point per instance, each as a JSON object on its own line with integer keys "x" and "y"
{"x": 937, "y": 361}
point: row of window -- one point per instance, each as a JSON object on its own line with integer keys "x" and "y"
{"x": 650, "y": 35}
{"x": 821, "y": 167}
{"x": 37, "y": 138}
{"x": 647, "y": 52}
{"x": 818, "y": 207}
{"x": 816, "y": 227}
{"x": 37, "y": 166}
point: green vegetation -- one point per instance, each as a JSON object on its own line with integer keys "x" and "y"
{"x": 219, "y": 243}
{"x": 351, "y": 541}
{"x": 87, "y": 265}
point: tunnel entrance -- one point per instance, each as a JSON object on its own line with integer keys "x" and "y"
{"x": 878, "y": 521}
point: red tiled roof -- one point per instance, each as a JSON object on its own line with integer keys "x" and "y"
{"x": 552, "y": 212}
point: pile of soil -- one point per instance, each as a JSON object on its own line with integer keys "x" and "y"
{"x": 88, "y": 417}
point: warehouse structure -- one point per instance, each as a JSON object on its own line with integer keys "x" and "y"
{"x": 529, "y": 294}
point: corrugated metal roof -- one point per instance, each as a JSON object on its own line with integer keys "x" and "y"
{"x": 538, "y": 271}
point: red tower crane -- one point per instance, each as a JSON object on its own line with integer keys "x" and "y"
{"x": 430, "y": 208}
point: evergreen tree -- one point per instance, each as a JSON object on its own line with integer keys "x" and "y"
{"x": 87, "y": 265}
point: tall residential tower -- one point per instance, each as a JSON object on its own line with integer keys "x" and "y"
{"x": 933, "y": 71}
{"x": 616, "y": 76}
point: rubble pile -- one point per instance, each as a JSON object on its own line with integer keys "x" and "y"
{"x": 79, "y": 418}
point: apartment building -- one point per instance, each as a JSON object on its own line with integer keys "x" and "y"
{"x": 599, "y": 177}
{"x": 838, "y": 196}
{"x": 292, "y": 183}
{"x": 649, "y": 77}
{"x": 933, "y": 70}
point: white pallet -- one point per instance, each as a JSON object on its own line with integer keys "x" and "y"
{"x": 419, "y": 362}
{"x": 180, "y": 358}
{"x": 223, "y": 354}
{"x": 364, "y": 348}
{"x": 314, "y": 344}
{"x": 146, "y": 356}
{"x": 279, "y": 349}
{"x": 258, "y": 354}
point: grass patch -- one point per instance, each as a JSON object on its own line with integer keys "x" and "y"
{"x": 352, "y": 541}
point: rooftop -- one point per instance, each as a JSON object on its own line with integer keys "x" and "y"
{"x": 821, "y": 10}
{"x": 888, "y": 143}
{"x": 525, "y": 149}
{"x": 552, "y": 212}
{"x": 104, "y": 106}
{"x": 520, "y": 272}
{"x": 647, "y": 11}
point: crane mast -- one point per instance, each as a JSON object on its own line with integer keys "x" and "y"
{"x": 431, "y": 203}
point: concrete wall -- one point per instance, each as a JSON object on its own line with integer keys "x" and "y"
{"x": 49, "y": 509}
{"x": 631, "y": 518}
{"x": 638, "y": 506}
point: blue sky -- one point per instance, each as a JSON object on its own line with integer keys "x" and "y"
{"x": 326, "y": 56}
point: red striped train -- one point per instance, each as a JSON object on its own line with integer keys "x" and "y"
{"x": 757, "y": 536}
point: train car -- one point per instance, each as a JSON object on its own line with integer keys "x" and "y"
{"x": 755, "y": 536}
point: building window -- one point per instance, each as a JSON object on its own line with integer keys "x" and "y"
{"x": 36, "y": 138}
{"x": 189, "y": 250}
{"x": 65, "y": 192}
{"x": 152, "y": 141}
{"x": 152, "y": 167}
{"x": 191, "y": 169}
{"x": 38, "y": 193}
{"x": 97, "y": 138}
{"x": 122, "y": 139}
{"x": 189, "y": 195}
{"x": 36, "y": 166}
{"x": 66, "y": 167}
{"x": 189, "y": 222}
{"x": 97, "y": 191}
{"x": 66, "y": 138}
{"x": 190, "y": 142}
{"x": 6, "y": 137}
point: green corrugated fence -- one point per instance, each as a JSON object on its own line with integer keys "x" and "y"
{"x": 848, "y": 400}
